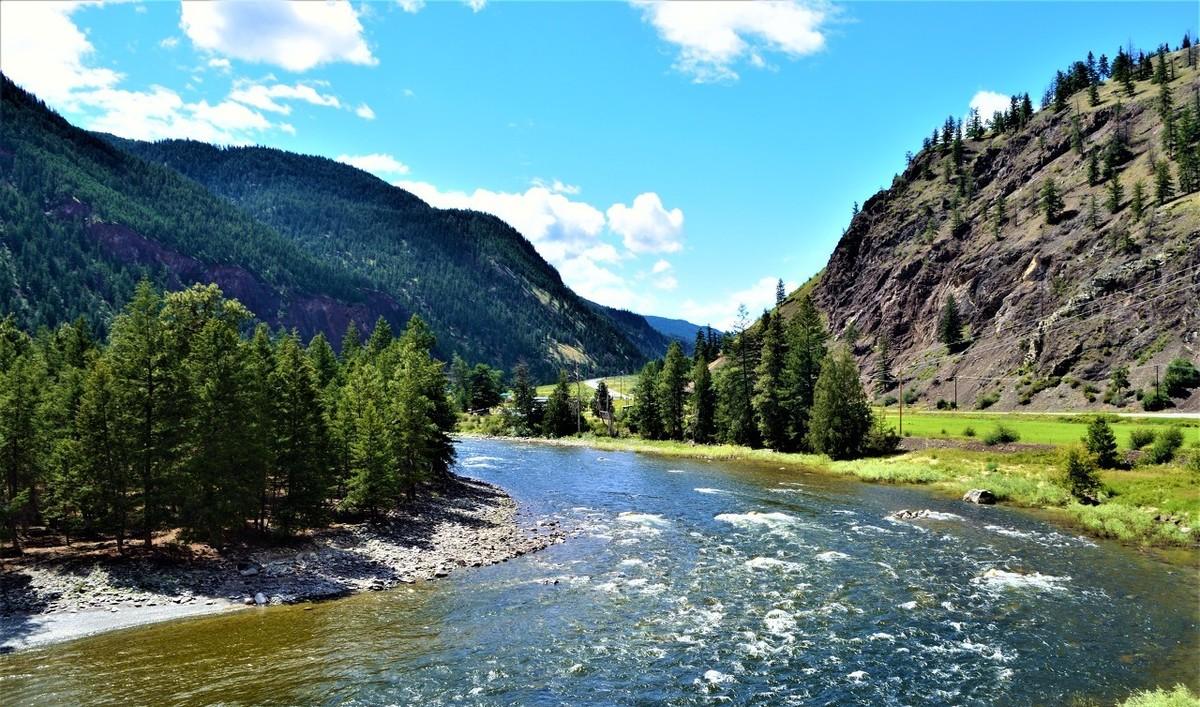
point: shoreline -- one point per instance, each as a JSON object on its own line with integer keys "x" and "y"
{"x": 62, "y": 597}
{"x": 1171, "y": 542}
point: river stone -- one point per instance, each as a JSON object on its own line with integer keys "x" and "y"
{"x": 260, "y": 599}
{"x": 982, "y": 496}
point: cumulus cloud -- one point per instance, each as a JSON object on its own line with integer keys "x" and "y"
{"x": 293, "y": 35}
{"x": 987, "y": 103}
{"x": 377, "y": 163}
{"x": 42, "y": 50}
{"x": 161, "y": 113}
{"x": 713, "y": 36}
{"x": 721, "y": 312}
{"x": 364, "y": 111}
{"x": 268, "y": 97}
{"x": 411, "y": 6}
{"x": 220, "y": 64}
{"x": 664, "y": 276}
{"x": 476, "y": 5}
{"x": 647, "y": 227}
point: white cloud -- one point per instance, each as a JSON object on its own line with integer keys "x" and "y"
{"x": 411, "y": 6}
{"x": 42, "y": 50}
{"x": 264, "y": 97}
{"x": 665, "y": 279}
{"x": 364, "y": 111}
{"x": 660, "y": 267}
{"x": 476, "y": 5}
{"x": 293, "y": 35}
{"x": 222, "y": 64}
{"x": 647, "y": 227}
{"x": 169, "y": 42}
{"x": 714, "y": 35}
{"x": 160, "y": 113}
{"x": 722, "y": 311}
{"x": 987, "y": 103}
{"x": 376, "y": 163}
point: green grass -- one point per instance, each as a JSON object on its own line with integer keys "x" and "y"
{"x": 1179, "y": 696}
{"x": 1033, "y": 429}
{"x": 1028, "y": 478}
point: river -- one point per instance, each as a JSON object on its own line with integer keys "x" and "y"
{"x": 689, "y": 582}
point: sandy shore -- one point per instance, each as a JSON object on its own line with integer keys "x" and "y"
{"x": 46, "y": 599}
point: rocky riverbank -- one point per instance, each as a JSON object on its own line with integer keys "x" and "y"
{"x": 49, "y": 597}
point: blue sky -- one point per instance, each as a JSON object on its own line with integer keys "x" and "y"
{"x": 673, "y": 159}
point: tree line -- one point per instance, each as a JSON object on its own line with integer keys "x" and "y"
{"x": 184, "y": 418}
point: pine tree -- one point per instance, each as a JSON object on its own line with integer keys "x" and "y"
{"x": 885, "y": 380}
{"x": 807, "y": 338}
{"x": 1001, "y": 217}
{"x": 700, "y": 348}
{"x": 484, "y": 388}
{"x": 422, "y": 417}
{"x": 769, "y": 405}
{"x": 323, "y": 359}
{"x": 381, "y": 337}
{"x": 522, "y": 397}
{"x": 841, "y": 415}
{"x": 1093, "y": 168}
{"x": 1101, "y": 443}
{"x": 460, "y": 383}
{"x": 602, "y": 401}
{"x": 1163, "y": 188}
{"x": 1115, "y": 194}
{"x": 559, "y": 420}
{"x": 1137, "y": 202}
{"x": 1093, "y": 214}
{"x": 148, "y": 392}
{"x": 950, "y": 324}
{"x": 260, "y": 360}
{"x": 672, "y": 382}
{"x": 703, "y": 404}
{"x": 780, "y": 292}
{"x": 1052, "y": 202}
{"x": 351, "y": 343}
{"x": 21, "y": 457}
{"x": 105, "y": 476}
{"x": 299, "y": 439}
{"x": 373, "y": 483}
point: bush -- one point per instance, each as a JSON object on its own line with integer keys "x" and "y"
{"x": 1001, "y": 435}
{"x": 1154, "y": 399}
{"x": 1140, "y": 437}
{"x": 1181, "y": 376}
{"x": 1079, "y": 474}
{"x": 1102, "y": 443}
{"x": 1163, "y": 450}
{"x": 889, "y": 400}
{"x": 987, "y": 400}
{"x": 911, "y": 396}
{"x": 882, "y": 439}
{"x": 969, "y": 431}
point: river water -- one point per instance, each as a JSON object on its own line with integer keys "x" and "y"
{"x": 689, "y": 582}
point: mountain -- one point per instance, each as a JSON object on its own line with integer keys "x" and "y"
{"x": 304, "y": 241}
{"x": 679, "y": 329}
{"x": 637, "y": 328}
{"x": 1050, "y": 305}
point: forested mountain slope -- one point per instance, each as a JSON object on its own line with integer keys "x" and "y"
{"x": 481, "y": 285}
{"x": 1058, "y": 276}
{"x": 304, "y": 242}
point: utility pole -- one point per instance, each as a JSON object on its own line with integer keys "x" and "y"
{"x": 901, "y": 405}
{"x": 578, "y": 401}
{"x": 955, "y": 392}
{"x": 1157, "y": 392}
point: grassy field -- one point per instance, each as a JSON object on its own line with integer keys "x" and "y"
{"x": 1134, "y": 498}
{"x": 1033, "y": 429}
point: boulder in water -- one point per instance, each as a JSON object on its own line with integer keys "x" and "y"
{"x": 981, "y": 496}
{"x": 260, "y": 599}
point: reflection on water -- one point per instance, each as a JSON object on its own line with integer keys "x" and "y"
{"x": 688, "y": 583}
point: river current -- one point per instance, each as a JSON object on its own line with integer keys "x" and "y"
{"x": 687, "y": 582}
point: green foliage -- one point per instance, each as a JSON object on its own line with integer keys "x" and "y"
{"x": 647, "y": 411}
{"x": 703, "y": 426}
{"x": 1155, "y": 399}
{"x": 1101, "y": 443}
{"x": 1141, "y": 437}
{"x": 987, "y": 400}
{"x": 769, "y": 406}
{"x": 1165, "y": 446}
{"x": 672, "y": 382}
{"x": 1001, "y": 434}
{"x": 949, "y": 328}
{"x": 1079, "y": 474}
{"x": 841, "y": 415}
{"x": 1179, "y": 696}
{"x": 1180, "y": 378}
{"x": 968, "y": 431}
{"x": 560, "y": 419}
{"x": 1052, "y": 202}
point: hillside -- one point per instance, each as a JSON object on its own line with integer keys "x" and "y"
{"x": 678, "y": 329}
{"x": 1050, "y": 308}
{"x": 305, "y": 242}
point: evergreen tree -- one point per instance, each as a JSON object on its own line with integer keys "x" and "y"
{"x": 323, "y": 359}
{"x": 522, "y": 397}
{"x": 1079, "y": 474}
{"x": 1137, "y": 202}
{"x": 807, "y": 338}
{"x": 351, "y": 343}
{"x": 1052, "y": 202}
{"x": 21, "y": 457}
{"x": 1163, "y": 188}
{"x": 1093, "y": 168}
{"x": 1101, "y": 443}
{"x": 148, "y": 392}
{"x": 841, "y": 415}
{"x": 950, "y": 324}
{"x": 373, "y": 483}
{"x": 1115, "y": 194}
{"x": 885, "y": 380}
{"x": 1093, "y": 214}
{"x": 672, "y": 384}
{"x": 703, "y": 403}
{"x": 105, "y": 477}
{"x": 299, "y": 439}
{"x": 602, "y": 401}
{"x": 739, "y": 399}
{"x": 485, "y": 388}
{"x": 559, "y": 420}
{"x": 700, "y": 348}
{"x": 422, "y": 417}
{"x": 1001, "y": 217}
{"x": 780, "y": 291}
{"x": 381, "y": 337}
{"x": 770, "y": 407}
{"x": 460, "y": 383}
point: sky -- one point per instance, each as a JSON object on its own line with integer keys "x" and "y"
{"x": 669, "y": 158}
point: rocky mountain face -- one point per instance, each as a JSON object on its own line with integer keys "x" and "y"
{"x": 1050, "y": 307}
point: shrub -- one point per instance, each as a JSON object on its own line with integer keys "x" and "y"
{"x": 889, "y": 400}
{"x": 1193, "y": 461}
{"x": 882, "y": 439}
{"x": 1180, "y": 696}
{"x": 942, "y": 404}
{"x": 1181, "y": 376}
{"x": 911, "y": 396}
{"x": 969, "y": 431}
{"x": 987, "y": 400}
{"x": 1140, "y": 437}
{"x": 1001, "y": 435}
{"x": 1079, "y": 474}
{"x": 1154, "y": 399}
{"x": 1168, "y": 442}
{"x": 1102, "y": 443}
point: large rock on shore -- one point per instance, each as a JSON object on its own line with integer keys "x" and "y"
{"x": 981, "y": 496}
